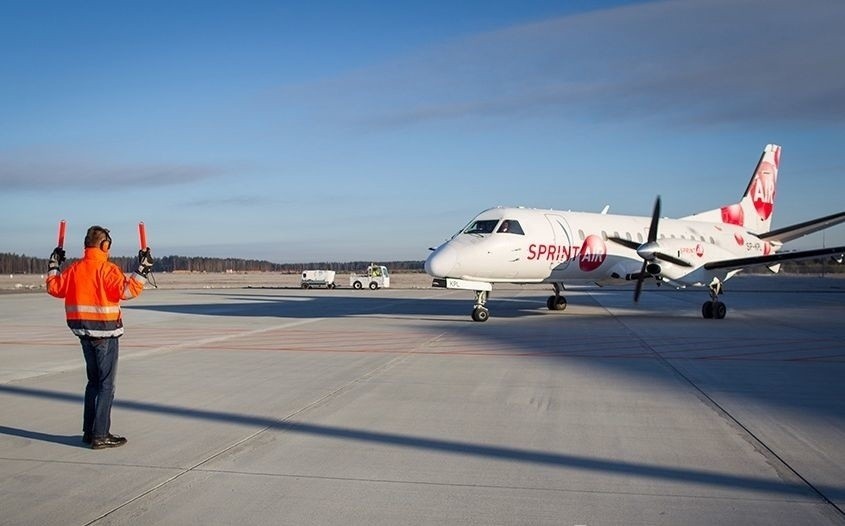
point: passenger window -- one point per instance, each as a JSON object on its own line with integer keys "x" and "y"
{"x": 639, "y": 237}
{"x": 604, "y": 235}
{"x": 628, "y": 236}
{"x": 581, "y": 234}
{"x": 510, "y": 226}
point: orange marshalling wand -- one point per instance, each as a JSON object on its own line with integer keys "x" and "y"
{"x": 62, "y": 228}
{"x": 142, "y": 235}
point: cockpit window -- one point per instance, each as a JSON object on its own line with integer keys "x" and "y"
{"x": 483, "y": 226}
{"x": 510, "y": 226}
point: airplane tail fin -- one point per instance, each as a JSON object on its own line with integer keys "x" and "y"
{"x": 754, "y": 210}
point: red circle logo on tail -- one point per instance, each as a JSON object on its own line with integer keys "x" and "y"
{"x": 593, "y": 253}
{"x": 733, "y": 215}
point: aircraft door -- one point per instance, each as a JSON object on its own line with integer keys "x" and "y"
{"x": 561, "y": 258}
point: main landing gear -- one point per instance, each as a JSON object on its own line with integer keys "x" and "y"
{"x": 556, "y": 302}
{"x": 479, "y": 311}
{"x": 714, "y": 309}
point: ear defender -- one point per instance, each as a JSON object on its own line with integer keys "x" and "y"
{"x": 105, "y": 244}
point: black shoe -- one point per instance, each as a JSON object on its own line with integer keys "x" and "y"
{"x": 107, "y": 442}
{"x": 86, "y": 438}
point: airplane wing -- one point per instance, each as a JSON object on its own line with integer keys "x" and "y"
{"x": 774, "y": 258}
{"x": 789, "y": 233}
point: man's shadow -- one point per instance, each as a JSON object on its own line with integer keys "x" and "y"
{"x": 66, "y": 440}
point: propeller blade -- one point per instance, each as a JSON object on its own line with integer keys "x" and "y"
{"x": 671, "y": 259}
{"x": 655, "y": 217}
{"x": 624, "y": 242}
{"x": 639, "y": 286}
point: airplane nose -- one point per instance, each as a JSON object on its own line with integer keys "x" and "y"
{"x": 441, "y": 262}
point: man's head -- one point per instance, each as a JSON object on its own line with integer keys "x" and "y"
{"x": 98, "y": 237}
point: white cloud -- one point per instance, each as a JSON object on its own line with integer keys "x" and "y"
{"x": 688, "y": 61}
{"x": 31, "y": 170}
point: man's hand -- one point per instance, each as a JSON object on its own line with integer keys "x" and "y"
{"x": 56, "y": 259}
{"x": 145, "y": 262}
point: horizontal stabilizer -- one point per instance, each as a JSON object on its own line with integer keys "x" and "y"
{"x": 773, "y": 258}
{"x": 789, "y": 233}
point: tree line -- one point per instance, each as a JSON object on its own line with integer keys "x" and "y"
{"x": 23, "y": 264}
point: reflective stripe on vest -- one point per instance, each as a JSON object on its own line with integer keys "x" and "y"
{"x": 93, "y": 313}
{"x": 96, "y": 329}
{"x": 128, "y": 294}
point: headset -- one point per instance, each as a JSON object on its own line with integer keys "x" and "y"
{"x": 105, "y": 231}
{"x": 106, "y": 240}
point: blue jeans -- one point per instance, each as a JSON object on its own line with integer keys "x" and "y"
{"x": 101, "y": 367}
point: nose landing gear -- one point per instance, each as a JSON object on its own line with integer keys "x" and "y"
{"x": 479, "y": 311}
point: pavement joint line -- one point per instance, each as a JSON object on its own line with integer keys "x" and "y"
{"x": 709, "y": 401}
{"x": 502, "y": 487}
{"x": 219, "y": 338}
{"x": 78, "y": 364}
{"x": 279, "y": 424}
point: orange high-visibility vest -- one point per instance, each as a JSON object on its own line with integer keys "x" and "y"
{"x": 92, "y": 288}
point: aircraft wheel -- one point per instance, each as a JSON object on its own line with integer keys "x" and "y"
{"x": 707, "y": 310}
{"x": 480, "y": 314}
{"x": 373, "y": 285}
{"x": 556, "y": 303}
{"x": 305, "y": 285}
{"x": 719, "y": 310}
{"x": 357, "y": 285}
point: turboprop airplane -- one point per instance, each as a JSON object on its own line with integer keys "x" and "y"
{"x": 523, "y": 245}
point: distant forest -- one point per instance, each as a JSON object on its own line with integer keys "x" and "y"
{"x": 22, "y": 264}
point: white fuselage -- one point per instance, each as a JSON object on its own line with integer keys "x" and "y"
{"x": 551, "y": 246}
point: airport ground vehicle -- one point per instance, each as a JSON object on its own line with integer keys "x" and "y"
{"x": 377, "y": 276}
{"x": 318, "y": 278}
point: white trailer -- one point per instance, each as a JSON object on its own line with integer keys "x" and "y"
{"x": 376, "y": 277}
{"x": 318, "y": 278}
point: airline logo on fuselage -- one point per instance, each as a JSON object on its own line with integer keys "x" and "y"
{"x": 590, "y": 255}
{"x": 697, "y": 250}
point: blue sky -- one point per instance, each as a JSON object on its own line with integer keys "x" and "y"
{"x": 339, "y": 131}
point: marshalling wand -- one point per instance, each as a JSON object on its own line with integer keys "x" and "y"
{"x": 142, "y": 238}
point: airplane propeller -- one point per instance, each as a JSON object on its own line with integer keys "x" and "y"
{"x": 649, "y": 251}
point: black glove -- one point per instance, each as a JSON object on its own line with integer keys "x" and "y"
{"x": 145, "y": 262}
{"x": 56, "y": 259}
